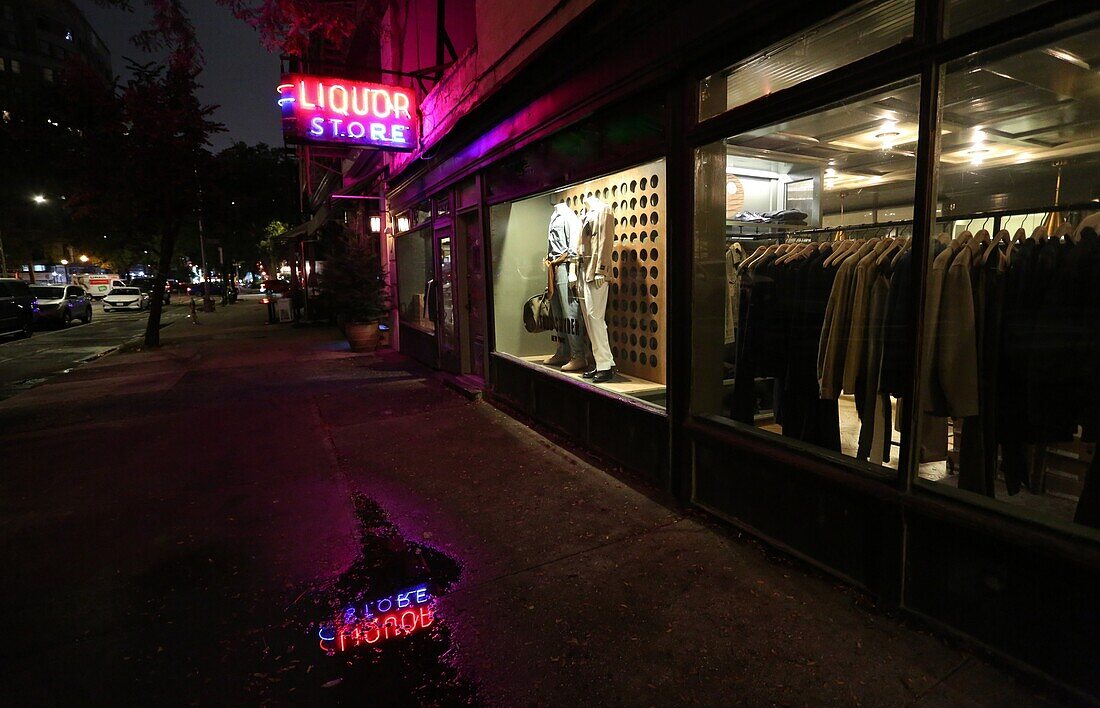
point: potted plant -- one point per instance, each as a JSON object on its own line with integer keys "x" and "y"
{"x": 356, "y": 285}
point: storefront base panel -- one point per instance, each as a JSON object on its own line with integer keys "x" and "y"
{"x": 627, "y": 433}
{"x": 849, "y": 532}
{"x": 1024, "y": 602}
{"x": 1014, "y": 590}
{"x": 420, "y": 346}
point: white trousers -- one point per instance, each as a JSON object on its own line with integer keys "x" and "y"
{"x": 593, "y": 307}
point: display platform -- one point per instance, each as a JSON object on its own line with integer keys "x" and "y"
{"x": 623, "y": 384}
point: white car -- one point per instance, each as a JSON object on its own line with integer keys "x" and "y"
{"x": 125, "y": 299}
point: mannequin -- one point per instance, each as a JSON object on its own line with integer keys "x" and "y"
{"x": 572, "y": 353}
{"x": 597, "y": 241}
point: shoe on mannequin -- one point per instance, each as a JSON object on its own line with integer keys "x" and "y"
{"x": 589, "y": 374}
{"x": 603, "y": 376}
{"x": 577, "y": 363}
{"x": 557, "y": 360}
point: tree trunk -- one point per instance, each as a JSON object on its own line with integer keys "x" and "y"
{"x": 156, "y": 303}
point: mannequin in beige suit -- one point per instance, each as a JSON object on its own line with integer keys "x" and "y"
{"x": 597, "y": 241}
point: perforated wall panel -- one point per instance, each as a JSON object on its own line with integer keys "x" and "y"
{"x": 636, "y": 305}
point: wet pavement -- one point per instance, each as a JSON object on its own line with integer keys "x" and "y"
{"x": 255, "y": 515}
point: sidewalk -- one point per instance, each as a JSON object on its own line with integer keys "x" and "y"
{"x": 166, "y": 551}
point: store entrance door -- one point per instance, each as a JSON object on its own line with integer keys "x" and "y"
{"x": 450, "y": 356}
{"x": 473, "y": 292}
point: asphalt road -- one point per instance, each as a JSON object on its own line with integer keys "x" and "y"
{"x": 25, "y": 363}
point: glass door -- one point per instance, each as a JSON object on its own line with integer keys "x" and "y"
{"x": 449, "y": 352}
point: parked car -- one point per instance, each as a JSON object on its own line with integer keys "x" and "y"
{"x": 61, "y": 304}
{"x": 175, "y": 286}
{"x": 146, "y": 286}
{"x": 126, "y": 298}
{"x": 17, "y": 307}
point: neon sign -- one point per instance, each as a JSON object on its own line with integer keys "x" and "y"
{"x": 326, "y": 110}
{"x": 398, "y": 615}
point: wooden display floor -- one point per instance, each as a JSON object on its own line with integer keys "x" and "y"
{"x": 622, "y": 383}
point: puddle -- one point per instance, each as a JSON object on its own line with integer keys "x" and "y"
{"x": 372, "y": 635}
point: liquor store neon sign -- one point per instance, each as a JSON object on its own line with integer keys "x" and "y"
{"x": 398, "y": 615}
{"x": 327, "y": 110}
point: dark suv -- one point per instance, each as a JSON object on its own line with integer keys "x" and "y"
{"x": 16, "y": 307}
{"x": 145, "y": 285}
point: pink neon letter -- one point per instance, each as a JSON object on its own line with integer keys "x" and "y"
{"x": 303, "y": 96}
{"x": 338, "y": 99}
{"x": 401, "y": 105}
{"x": 360, "y": 100}
{"x": 387, "y": 106}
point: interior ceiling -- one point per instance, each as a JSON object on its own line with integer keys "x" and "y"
{"x": 1004, "y": 124}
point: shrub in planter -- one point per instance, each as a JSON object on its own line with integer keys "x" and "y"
{"x": 356, "y": 286}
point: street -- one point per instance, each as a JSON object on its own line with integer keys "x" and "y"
{"x": 203, "y": 524}
{"x": 25, "y": 363}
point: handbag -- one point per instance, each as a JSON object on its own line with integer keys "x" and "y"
{"x": 537, "y": 313}
{"x": 537, "y": 316}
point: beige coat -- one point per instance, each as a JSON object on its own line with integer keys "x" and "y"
{"x": 951, "y": 363}
{"x": 597, "y": 242}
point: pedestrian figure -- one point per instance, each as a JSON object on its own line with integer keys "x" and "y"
{"x": 192, "y": 312}
{"x": 297, "y": 299}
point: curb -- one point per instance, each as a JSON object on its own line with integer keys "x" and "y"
{"x": 132, "y": 344}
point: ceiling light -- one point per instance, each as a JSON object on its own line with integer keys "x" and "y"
{"x": 1068, "y": 57}
{"x": 830, "y": 172}
{"x": 887, "y": 134}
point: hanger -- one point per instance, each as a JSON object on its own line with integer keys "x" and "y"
{"x": 1039, "y": 235}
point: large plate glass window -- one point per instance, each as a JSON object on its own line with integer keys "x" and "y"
{"x": 802, "y": 235}
{"x": 605, "y": 241}
{"x": 1011, "y": 392}
{"x": 852, "y": 35}
{"x": 418, "y": 301}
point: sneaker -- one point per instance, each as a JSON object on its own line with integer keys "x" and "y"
{"x": 557, "y": 360}
{"x": 577, "y": 363}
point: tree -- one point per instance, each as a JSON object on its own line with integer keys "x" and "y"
{"x": 152, "y": 132}
{"x": 294, "y": 27}
{"x": 245, "y": 188}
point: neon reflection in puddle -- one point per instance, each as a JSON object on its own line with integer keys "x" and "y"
{"x": 398, "y": 615}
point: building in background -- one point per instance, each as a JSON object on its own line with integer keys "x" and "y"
{"x": 39, "y": 41}
{"x": 842, "y": 255}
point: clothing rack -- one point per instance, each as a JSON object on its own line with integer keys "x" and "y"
{"x": 995, "y": 216}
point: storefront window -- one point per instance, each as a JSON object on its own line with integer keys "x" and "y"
{"x": 858, "y": 32}
{"x": 416, "y": 288}
{"x": 1011, "y": 391}
{"x": 607, "y": 318}
{"x": 802, "y": 234}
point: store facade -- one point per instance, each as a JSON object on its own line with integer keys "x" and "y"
{"x": 844, "y": 281}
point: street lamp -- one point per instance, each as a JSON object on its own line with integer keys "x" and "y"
{"x": 83, "y": 259}
{"x": 65, "y": 264}
{"x": 39, "y": 199}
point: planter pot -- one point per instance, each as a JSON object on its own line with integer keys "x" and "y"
{"x": 362, "y": 337}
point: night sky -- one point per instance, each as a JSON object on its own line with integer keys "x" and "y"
{"x": 239, "y": 75}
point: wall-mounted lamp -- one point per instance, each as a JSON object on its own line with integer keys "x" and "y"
{"x": 375, "y": 224}
{"x": 402, "y": 224}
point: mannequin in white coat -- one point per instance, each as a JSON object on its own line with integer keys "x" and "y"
{"x": 597, "y": 241}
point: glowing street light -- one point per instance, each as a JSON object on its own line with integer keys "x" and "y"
{"x": 64, "y": 261}
{"x": 83, "y": 259}
{"x": 39, "y": 199}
